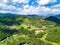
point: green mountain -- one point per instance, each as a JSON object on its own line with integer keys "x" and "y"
{"x": 29, "y": 30}
{"x": 54, "y": 19}
{"x": 58, "y": 16}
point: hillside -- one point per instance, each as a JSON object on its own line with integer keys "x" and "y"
{"x": 29, "y": 30}
{"x": 54, "y": 19}
{"x": 58, "y": 16}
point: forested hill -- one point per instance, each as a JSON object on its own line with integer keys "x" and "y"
{"x": 58, "y": 16}
{"x": 2, "y": 15}
{"x": 54, "y": 19}
{"x": 29, "y": 30}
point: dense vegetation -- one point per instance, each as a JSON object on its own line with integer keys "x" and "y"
{"x": 29, "y": 30}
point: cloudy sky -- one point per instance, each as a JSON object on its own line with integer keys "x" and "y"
{"x": 30, "y": 6}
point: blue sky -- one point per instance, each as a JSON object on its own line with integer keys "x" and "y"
{"x": 39, "y": 7}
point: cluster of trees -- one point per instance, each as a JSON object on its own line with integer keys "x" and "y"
{"x": 54, "y": 34}
{"x": 6, "y": 32}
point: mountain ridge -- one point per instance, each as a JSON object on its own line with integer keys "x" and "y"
{"x": 29, "y": 16}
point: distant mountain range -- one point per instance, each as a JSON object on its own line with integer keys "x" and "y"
{"x": 2, "y": 15}
{"x": 58, "y": 16}
{"x": 55, "y": 18}
{"x": 29, "y": 16}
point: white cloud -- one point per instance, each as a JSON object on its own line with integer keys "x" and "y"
{"x": 39, "y": 10}
{"x": 8, "y": 8}
{"x": 56, "y": 6}
{"x": 3, "y": 1}
{"x": 14, "y": 1}
{"x": 27, "y": 9}
{"x": 21, "y": 1}
{"x": 44, "y": 2}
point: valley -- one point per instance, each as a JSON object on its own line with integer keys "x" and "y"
{"x": 29, "y": 30}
